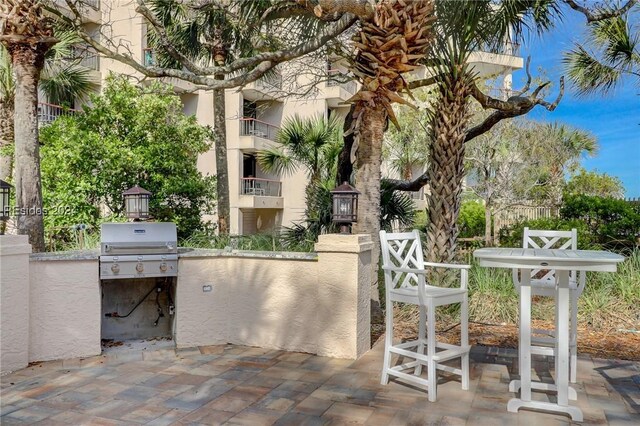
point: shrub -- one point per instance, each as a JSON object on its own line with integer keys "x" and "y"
{"x": 471, "y": 221}
{"x": 129, "y": 135}
{"x": 613, "y": 223}
{"x": 511, "y": 236}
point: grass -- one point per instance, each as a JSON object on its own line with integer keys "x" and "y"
{"x": 610, "y": 300}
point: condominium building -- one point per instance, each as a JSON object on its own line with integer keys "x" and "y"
{"x": 260, "y": 201}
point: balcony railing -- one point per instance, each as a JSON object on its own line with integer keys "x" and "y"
{"x": 339, "y": 78}
{"x": 148, "y": 57}
{"x": 49, "y": 112}
{"x": 271, "y": 82}
{"x": 86, "y": 56}
{"x": 93, "y": 3}
{"x": 253, "y": 127}
{"x": 261, "y": 187}
{"x": 500, "y": 93}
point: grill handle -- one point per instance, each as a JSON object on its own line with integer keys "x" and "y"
{"x": 109, "y": 247}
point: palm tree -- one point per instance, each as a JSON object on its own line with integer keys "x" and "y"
{"x": 312, "y": 143}
{"x": 27, "y": 34}
{"x": 61, "y": 78}
{"x": 389, "y": 45}
{"x": 462, "y": 27}
{"x": 561, "y": 150}
{"x": 611, "y": 53}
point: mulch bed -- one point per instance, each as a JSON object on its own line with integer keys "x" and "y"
{"x": 598, "y": 343}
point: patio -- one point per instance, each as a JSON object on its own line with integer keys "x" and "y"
{"x": 247, "y": 385}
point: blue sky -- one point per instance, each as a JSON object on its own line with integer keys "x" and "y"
{"x": 614, "y": 118}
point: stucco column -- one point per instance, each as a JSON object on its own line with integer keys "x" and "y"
{"x": 14, "y": 302}
{"x": 344, "y": 295}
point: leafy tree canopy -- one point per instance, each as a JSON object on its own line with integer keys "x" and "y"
{"x": 129, "y": 135}
{"x": 593, "y": 183}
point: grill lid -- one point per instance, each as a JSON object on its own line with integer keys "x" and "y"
{"x": 138, "y": 238}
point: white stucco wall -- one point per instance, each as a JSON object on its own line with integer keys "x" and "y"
{"x": 318, "y": 303}
{"x": 64, "y": 309}
{"x": 298, "y": 304}
{"x": 14, "y": 302}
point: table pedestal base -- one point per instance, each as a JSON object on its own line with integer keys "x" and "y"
{"x": 516, "y": 403}
{"x": 514, "y": 386}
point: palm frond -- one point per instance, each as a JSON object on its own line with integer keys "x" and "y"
{"x": 588, "y": 74}
{"x": 277, "y": 161}
{"x": 61, "y": 81}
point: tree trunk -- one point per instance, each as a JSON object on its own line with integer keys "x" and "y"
{"x": 488, "y": 240}
{"x": 222, "y": 170}
{"x": 27, "y": 63}
{"x": 345, "y": 167}
{"x": 6, "y": 139}
{"x": 446, "y": 170}
{"x": 368, "y": 175}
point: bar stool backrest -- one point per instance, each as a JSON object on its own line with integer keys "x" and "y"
{"x": 401, "y": 253}
{"x": 542, "y": 239}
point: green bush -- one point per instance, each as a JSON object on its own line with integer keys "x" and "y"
{"x": 471, "y": 221}
{"x": 511, "y": 236}
{"x": 129, "y": 135}
{"x": 613, "y": 223}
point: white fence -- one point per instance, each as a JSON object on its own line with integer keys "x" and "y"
{"x": 516, "y": 214}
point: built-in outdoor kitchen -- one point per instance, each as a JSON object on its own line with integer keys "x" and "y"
{"x": 140, "y": 290}
{"x": 138, "y": 272}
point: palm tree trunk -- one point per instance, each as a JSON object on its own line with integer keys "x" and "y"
{"x": 222, "y": 172}
{"x": 446, "y": 170}
{"x": 368, "y": 175}
{"x": 6, "y": 139}
{"x": 27, "y": 63}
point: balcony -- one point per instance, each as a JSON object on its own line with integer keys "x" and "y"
{"x": 259, "y": 193}
{"x": 266, "y": 88}
{"x": 47, "y": 113}
{"x": 256, "y": 135}
{"x": 500, "y": 93}
{"x": 492, "y": 61}
{"x": 148, "y": 57}
{"x": 419, "y": 199}
{"x": 339, "y": 88}
{"x": 89, "y": 10}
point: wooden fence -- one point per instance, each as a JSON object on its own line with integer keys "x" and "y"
{"x": 516, "y": 214}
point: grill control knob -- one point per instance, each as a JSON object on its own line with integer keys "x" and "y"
{"x": 115, "y": 268}
{"x": 163, "y": 267}
{"x": 139, "y": 267}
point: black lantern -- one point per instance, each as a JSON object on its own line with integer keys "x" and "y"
{"x": 345, "y": 206}
{"x": 5, "y": 195}
{"x": 136, "y": 203}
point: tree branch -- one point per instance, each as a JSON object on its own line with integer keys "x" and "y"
{"x": 514, "y": 107}
{"x": 409, "y": 185}
{"x": 595, "y": 16}
{"x": 200, "y": 76}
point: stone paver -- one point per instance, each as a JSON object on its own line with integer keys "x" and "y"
{"x": 238, "y": 385}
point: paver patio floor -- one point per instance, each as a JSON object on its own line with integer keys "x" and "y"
{"x": 253, "y": 386}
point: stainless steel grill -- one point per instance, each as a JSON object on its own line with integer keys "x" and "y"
{"x": 138, "y": 250}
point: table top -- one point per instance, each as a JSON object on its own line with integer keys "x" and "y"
{"x": 586, "y": 260}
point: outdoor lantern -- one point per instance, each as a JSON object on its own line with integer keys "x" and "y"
{"x": 5, "y": 193}
{"x": 345, "y": 206}
{"x": 136, "y": 202}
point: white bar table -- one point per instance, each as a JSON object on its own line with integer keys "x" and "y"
{"x": 563, "y": 261}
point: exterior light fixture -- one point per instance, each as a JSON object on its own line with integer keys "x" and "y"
{"x": 5, "y": 196}
{"x": 345, "y": 206}
{"x": 136, "y": 203}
